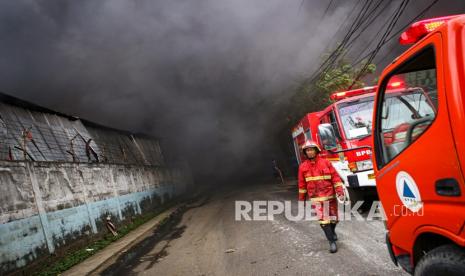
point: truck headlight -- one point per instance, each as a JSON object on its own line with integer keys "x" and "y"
{"x": 364, "y": 165}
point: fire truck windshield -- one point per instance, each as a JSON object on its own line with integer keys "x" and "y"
{"x": 356, "y": 117}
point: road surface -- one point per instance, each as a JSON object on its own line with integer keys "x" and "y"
{"x": 207, "y": 240}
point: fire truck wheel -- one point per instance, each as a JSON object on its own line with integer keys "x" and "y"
{"x": 443, "y": 260}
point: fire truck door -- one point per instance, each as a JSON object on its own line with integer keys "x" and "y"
{"x": 416, "y": 157}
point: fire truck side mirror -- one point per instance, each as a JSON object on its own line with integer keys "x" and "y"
{"x": 327, "y": 136}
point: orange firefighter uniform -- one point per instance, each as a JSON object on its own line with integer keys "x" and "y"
{"x": 320, "y": 183}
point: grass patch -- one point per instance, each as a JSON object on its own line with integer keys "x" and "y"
{"x": 71, "y": 259}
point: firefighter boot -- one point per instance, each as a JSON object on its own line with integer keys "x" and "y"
{"x": 333, "y": 228}
{"x": 329, "y": 235}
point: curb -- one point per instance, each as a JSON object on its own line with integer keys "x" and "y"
{"x": 108, "y": 255}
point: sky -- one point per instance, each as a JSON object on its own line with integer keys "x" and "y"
{"x": 205, "y": 76}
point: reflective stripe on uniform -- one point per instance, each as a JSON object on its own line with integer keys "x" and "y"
{"x": 338, "y": 184}
{"x": 325, "y": 221}
{"x": 323, "y": 198}
{"x": 302, "y": 191}
{"x": 316, "y": 178}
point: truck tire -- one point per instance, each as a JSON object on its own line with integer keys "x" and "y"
{"x": 443, "y": 260}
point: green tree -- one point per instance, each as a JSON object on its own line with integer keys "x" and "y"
{"x": 314, "y": 96}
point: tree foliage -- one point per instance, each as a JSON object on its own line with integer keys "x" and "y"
{"x": 310, "y": 97}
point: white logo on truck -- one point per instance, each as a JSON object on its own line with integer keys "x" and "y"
{"x": 408, "y": 192}
{"x": 363, "y": 153}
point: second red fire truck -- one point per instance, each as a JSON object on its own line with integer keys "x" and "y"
{"x": 343, "y": 131}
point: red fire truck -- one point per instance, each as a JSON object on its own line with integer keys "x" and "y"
{"x": 343, "y": 131}
{"x": 419, "y": 149}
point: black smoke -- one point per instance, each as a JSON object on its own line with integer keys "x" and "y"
{"x": 205, "y": 76}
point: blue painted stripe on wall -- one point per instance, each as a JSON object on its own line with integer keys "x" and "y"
{"x": 20, "y": 239}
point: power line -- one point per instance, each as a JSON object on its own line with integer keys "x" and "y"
{"x": 329, "y": 59}
{"x": 380, "y": 44}
{"x": 347, "y": 17}
{"x": 327, "y": 9}
{"x": 383, "y": 39}
{"x": 352, "y": 42}
{"x": 347, "y": 43}
{"x": 401, "y": 29}
{"x": 358, "y": 22}
{"x": 409, "y": 23}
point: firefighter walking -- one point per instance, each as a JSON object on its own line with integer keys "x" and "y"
{"x": 321, "y": 184}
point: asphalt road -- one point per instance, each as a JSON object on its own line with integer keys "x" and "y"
{"x": 207, "y": 240}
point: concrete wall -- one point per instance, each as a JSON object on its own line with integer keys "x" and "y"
{"x": 45, "y": 206}
{"x": 61, "y": 176}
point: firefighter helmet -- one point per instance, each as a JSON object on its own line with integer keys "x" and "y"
{"x": 310, "y": 144}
